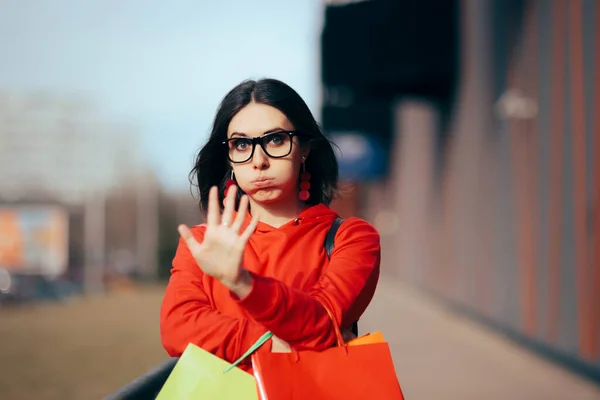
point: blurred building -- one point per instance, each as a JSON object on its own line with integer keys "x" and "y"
{"x": 62, "y": 147}
{"x": 60, "y": 150}
{"x": 486, "y": 114}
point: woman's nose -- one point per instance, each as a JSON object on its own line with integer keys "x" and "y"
{"x": 260, "y": 160}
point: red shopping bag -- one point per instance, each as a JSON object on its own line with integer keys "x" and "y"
{"x": 359, "y": 371}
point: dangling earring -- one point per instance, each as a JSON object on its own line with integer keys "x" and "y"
{"x": 304, "y": 193}
{"x": 229, "y": 182}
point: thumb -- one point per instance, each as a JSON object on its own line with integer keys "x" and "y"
{"x": 187, "y": 235}
{"x": 184, "y": 232}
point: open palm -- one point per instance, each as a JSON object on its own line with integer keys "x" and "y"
{"x": 220, "y": 253}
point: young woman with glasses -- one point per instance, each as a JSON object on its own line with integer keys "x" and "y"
{"x": 266, "y": 178}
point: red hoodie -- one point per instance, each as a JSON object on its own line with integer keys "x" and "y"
{"x": 292, "y": 278}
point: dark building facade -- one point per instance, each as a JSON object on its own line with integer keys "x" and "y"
{"x": 488, "y": 113}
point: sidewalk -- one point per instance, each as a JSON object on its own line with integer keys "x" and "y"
{"x": 439, "y": 355}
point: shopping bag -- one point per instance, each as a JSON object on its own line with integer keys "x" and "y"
{"x": 361, "y": 370}
{"x": 369, "y": 338}
{"x": 201, "y": 375}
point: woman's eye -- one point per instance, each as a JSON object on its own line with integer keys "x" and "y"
{"x": 276, "y": 139}
{"x": 241, "y": 145}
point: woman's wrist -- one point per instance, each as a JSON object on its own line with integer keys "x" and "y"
{"x": 242, "y": 285}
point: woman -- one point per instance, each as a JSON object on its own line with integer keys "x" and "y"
{"x": 258, "y": 264}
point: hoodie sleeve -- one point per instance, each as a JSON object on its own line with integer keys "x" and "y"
{"x": 187, "y": 315}
{"x": 346, "y": 288}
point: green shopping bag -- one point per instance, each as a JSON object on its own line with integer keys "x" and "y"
{"x": 201, "y": 375}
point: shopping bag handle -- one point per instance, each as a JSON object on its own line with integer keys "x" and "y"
{"x": 268, "y": 335}
{"x": 336, "y": 328}
{"x": 261, "y": 340}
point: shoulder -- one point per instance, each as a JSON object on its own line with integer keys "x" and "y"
{"x": 356, "y": 229}
{"x": 354, "y": 224}
{"x": 357, "y": 241}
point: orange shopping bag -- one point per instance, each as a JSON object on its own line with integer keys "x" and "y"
{"x": 369, "y": 338}
{"x": 362, "y": 369}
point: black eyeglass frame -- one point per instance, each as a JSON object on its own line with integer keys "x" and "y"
{"x": 260, "y": 140}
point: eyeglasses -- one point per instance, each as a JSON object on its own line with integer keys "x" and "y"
{"x": 275, "y": 145}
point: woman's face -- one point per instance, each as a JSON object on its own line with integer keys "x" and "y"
{"x": 265, "y": 179}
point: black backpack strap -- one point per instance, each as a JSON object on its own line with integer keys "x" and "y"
{"x": 329, "y": 246}
{"x": 330, "y": 238}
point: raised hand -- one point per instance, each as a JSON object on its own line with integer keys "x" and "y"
{"x": 220, "y": 253}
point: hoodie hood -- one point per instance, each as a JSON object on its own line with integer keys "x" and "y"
{"x": 310, "y": 216}
{"x": 307, "y": 218}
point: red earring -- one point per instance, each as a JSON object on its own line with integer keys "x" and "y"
{"x": 229, "y": 183}
{"x": 304, "y": 182}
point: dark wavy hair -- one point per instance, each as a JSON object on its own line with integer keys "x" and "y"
{"x": 212, "y": 168}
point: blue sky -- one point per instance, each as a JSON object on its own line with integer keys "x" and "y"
{"x": 160, "y": 65}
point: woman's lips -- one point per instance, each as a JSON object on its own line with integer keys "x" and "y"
{"x": 262, "y": 182}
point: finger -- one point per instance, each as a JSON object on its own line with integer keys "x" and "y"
{"x": 241, "y": 216}
{"x": 187, "y": 235}
{"x": 229, "y": 206}
{"x": 212, "y": 215}
{"x": 249, "y": 229}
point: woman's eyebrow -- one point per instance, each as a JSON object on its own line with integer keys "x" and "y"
{"x": 274, "y": 130}
{"x": 278, "y": 129}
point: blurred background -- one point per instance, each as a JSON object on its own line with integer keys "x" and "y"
{"x": 468, "y": 134}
